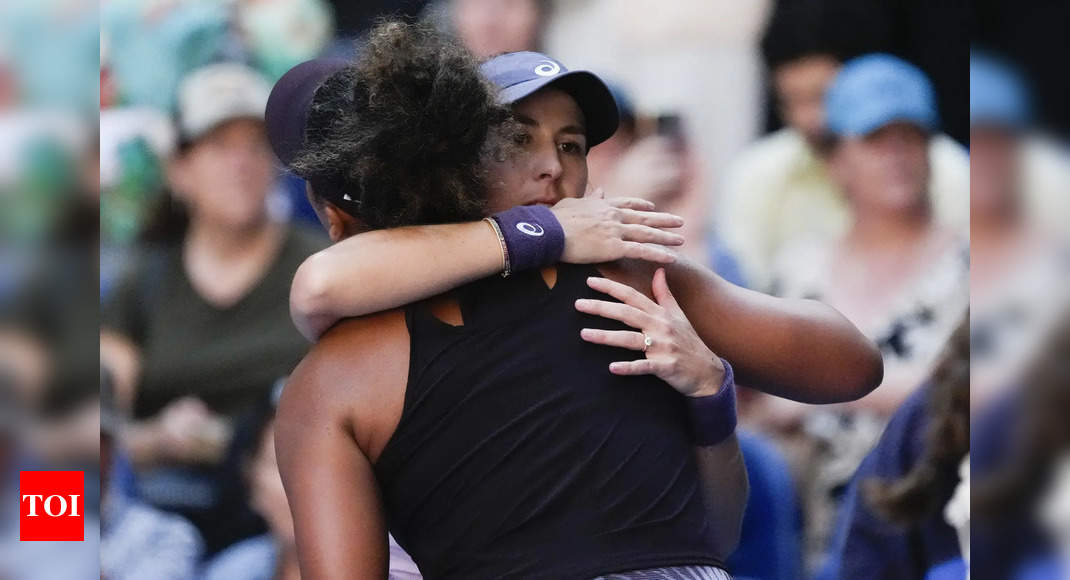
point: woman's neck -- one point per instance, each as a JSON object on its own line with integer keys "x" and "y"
{"x": 227, "y": 242}
{"x": 224, "y": 265}
{"x": 883, "y": 229}
{"x": 994, "y": 229}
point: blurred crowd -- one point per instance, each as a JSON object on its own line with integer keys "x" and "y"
{"x": 818, "y": 149}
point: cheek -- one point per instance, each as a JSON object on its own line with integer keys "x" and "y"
{"x": 503, "y": 186}
{"x": 574, "y": 181}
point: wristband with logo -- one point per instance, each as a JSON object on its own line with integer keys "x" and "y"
{"x": 533, "y": 236}
{"x": 713, "y": 417}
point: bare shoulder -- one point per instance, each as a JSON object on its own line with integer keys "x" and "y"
{"x": 353, "y": 378}
{"x": 684, "y": 275}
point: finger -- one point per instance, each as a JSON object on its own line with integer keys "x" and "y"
{"x": 594, "y": 192}
{"x": 622, "y": 292}
{"x": 648, "y": 252}
{"x": 653, "y": 219}
{"x": 629, "y": 315}
{"x": 660, "y": 287}
{"x": 638, "y": 233}
{"x": 636, "y": 367}
{"x": 619, "y": 338}
{"x": 631, "y": 203}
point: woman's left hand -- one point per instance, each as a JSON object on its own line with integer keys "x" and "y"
{"x": 671, "y": 347}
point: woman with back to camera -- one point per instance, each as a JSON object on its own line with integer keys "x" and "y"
{"x": 542, "y": 109}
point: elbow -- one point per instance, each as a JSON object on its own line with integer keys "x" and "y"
{"x": 869, "y": 373}
{"x": 310, "y": 292}
{"x": 860, "y": 364}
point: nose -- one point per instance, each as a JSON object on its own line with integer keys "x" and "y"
{"x": 547, "y": 164}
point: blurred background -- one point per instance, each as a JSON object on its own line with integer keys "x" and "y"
{"x": 146, "y": 226}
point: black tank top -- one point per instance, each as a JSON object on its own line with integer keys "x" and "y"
{"x": 518, "y": 455}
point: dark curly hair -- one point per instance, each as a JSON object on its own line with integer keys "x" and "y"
{"x": 919, "y": 493}
{"x": 1038, "y": 434}
{"x": 407, "y": 129}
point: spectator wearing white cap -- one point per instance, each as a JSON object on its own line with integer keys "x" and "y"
{"x": 198, "y": 327}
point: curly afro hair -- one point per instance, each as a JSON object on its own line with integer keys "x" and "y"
{"x": 407, "y": 129}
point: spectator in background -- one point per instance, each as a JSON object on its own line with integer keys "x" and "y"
{"x": 1018, "y": 491}
{"x": 198, "y": 328}
{"x": 273, "y": 555}
{"x": 33, "y": 560}
{"x": 697, "y": 59}
{"x": 654, "y": 159}
{"x": 892, "y": 524}
{"x": 135, "y": 142}
{"x": 279, "y": 34}
{"x": 897, "y": 273}
{"x": 491, "y": 27}
{"x": 779, "y": 188}
{"x": 1014, "y": 271}
{"x": 137, "y": 541}
{"x": 151, "y": 46}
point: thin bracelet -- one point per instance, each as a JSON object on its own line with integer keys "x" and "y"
{"x": 501, "y": 240}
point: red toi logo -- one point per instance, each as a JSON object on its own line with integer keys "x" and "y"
{"x": 51, "y": 506}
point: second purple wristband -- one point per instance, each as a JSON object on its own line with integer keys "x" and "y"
{"x": 713, "y": 418}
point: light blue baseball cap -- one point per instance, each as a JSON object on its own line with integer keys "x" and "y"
{"x": 875, "y": 90}
{"x": 998, "y": 94}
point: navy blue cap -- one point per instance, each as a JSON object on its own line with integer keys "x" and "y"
{"x": 520, "y": 74}
{"x": 875, "y": 90}
{"x": 287, "y": 106}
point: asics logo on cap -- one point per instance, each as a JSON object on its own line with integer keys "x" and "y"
{"x": 530, "y": 229}
{"x": 547, "y": 68}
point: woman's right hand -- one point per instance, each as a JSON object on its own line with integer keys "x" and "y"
{"x": 603, "y": 230}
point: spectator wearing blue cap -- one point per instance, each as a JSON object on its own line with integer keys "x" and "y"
{"x": 779, "y": 188}
{"x": 1013, "y": 269}
{"x": 897, "y": 273}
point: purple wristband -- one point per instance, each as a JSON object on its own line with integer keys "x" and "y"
{"x": 533, "y": 236}
{"x": 713, "y": 417}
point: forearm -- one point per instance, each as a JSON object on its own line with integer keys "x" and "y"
{"x": 725, "y": 487}
{"x": 798, "y": 349}
{"x": 384, "y": 269}
{"x": 722, "y": 472}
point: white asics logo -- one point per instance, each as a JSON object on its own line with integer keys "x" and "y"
{"x": 548, "y": 68}
{"x": 530, "y": 229}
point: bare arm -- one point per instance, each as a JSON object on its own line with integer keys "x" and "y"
{"x": 384, "y": 269}
{"x": 725, "y": 489}
{"x": 798, "y": 349}
{"x": 332, "y": 491}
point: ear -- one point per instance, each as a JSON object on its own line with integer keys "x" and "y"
{"x": 340, "y": 224}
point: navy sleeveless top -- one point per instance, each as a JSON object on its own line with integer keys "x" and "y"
{"x": 518, "y": 454}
